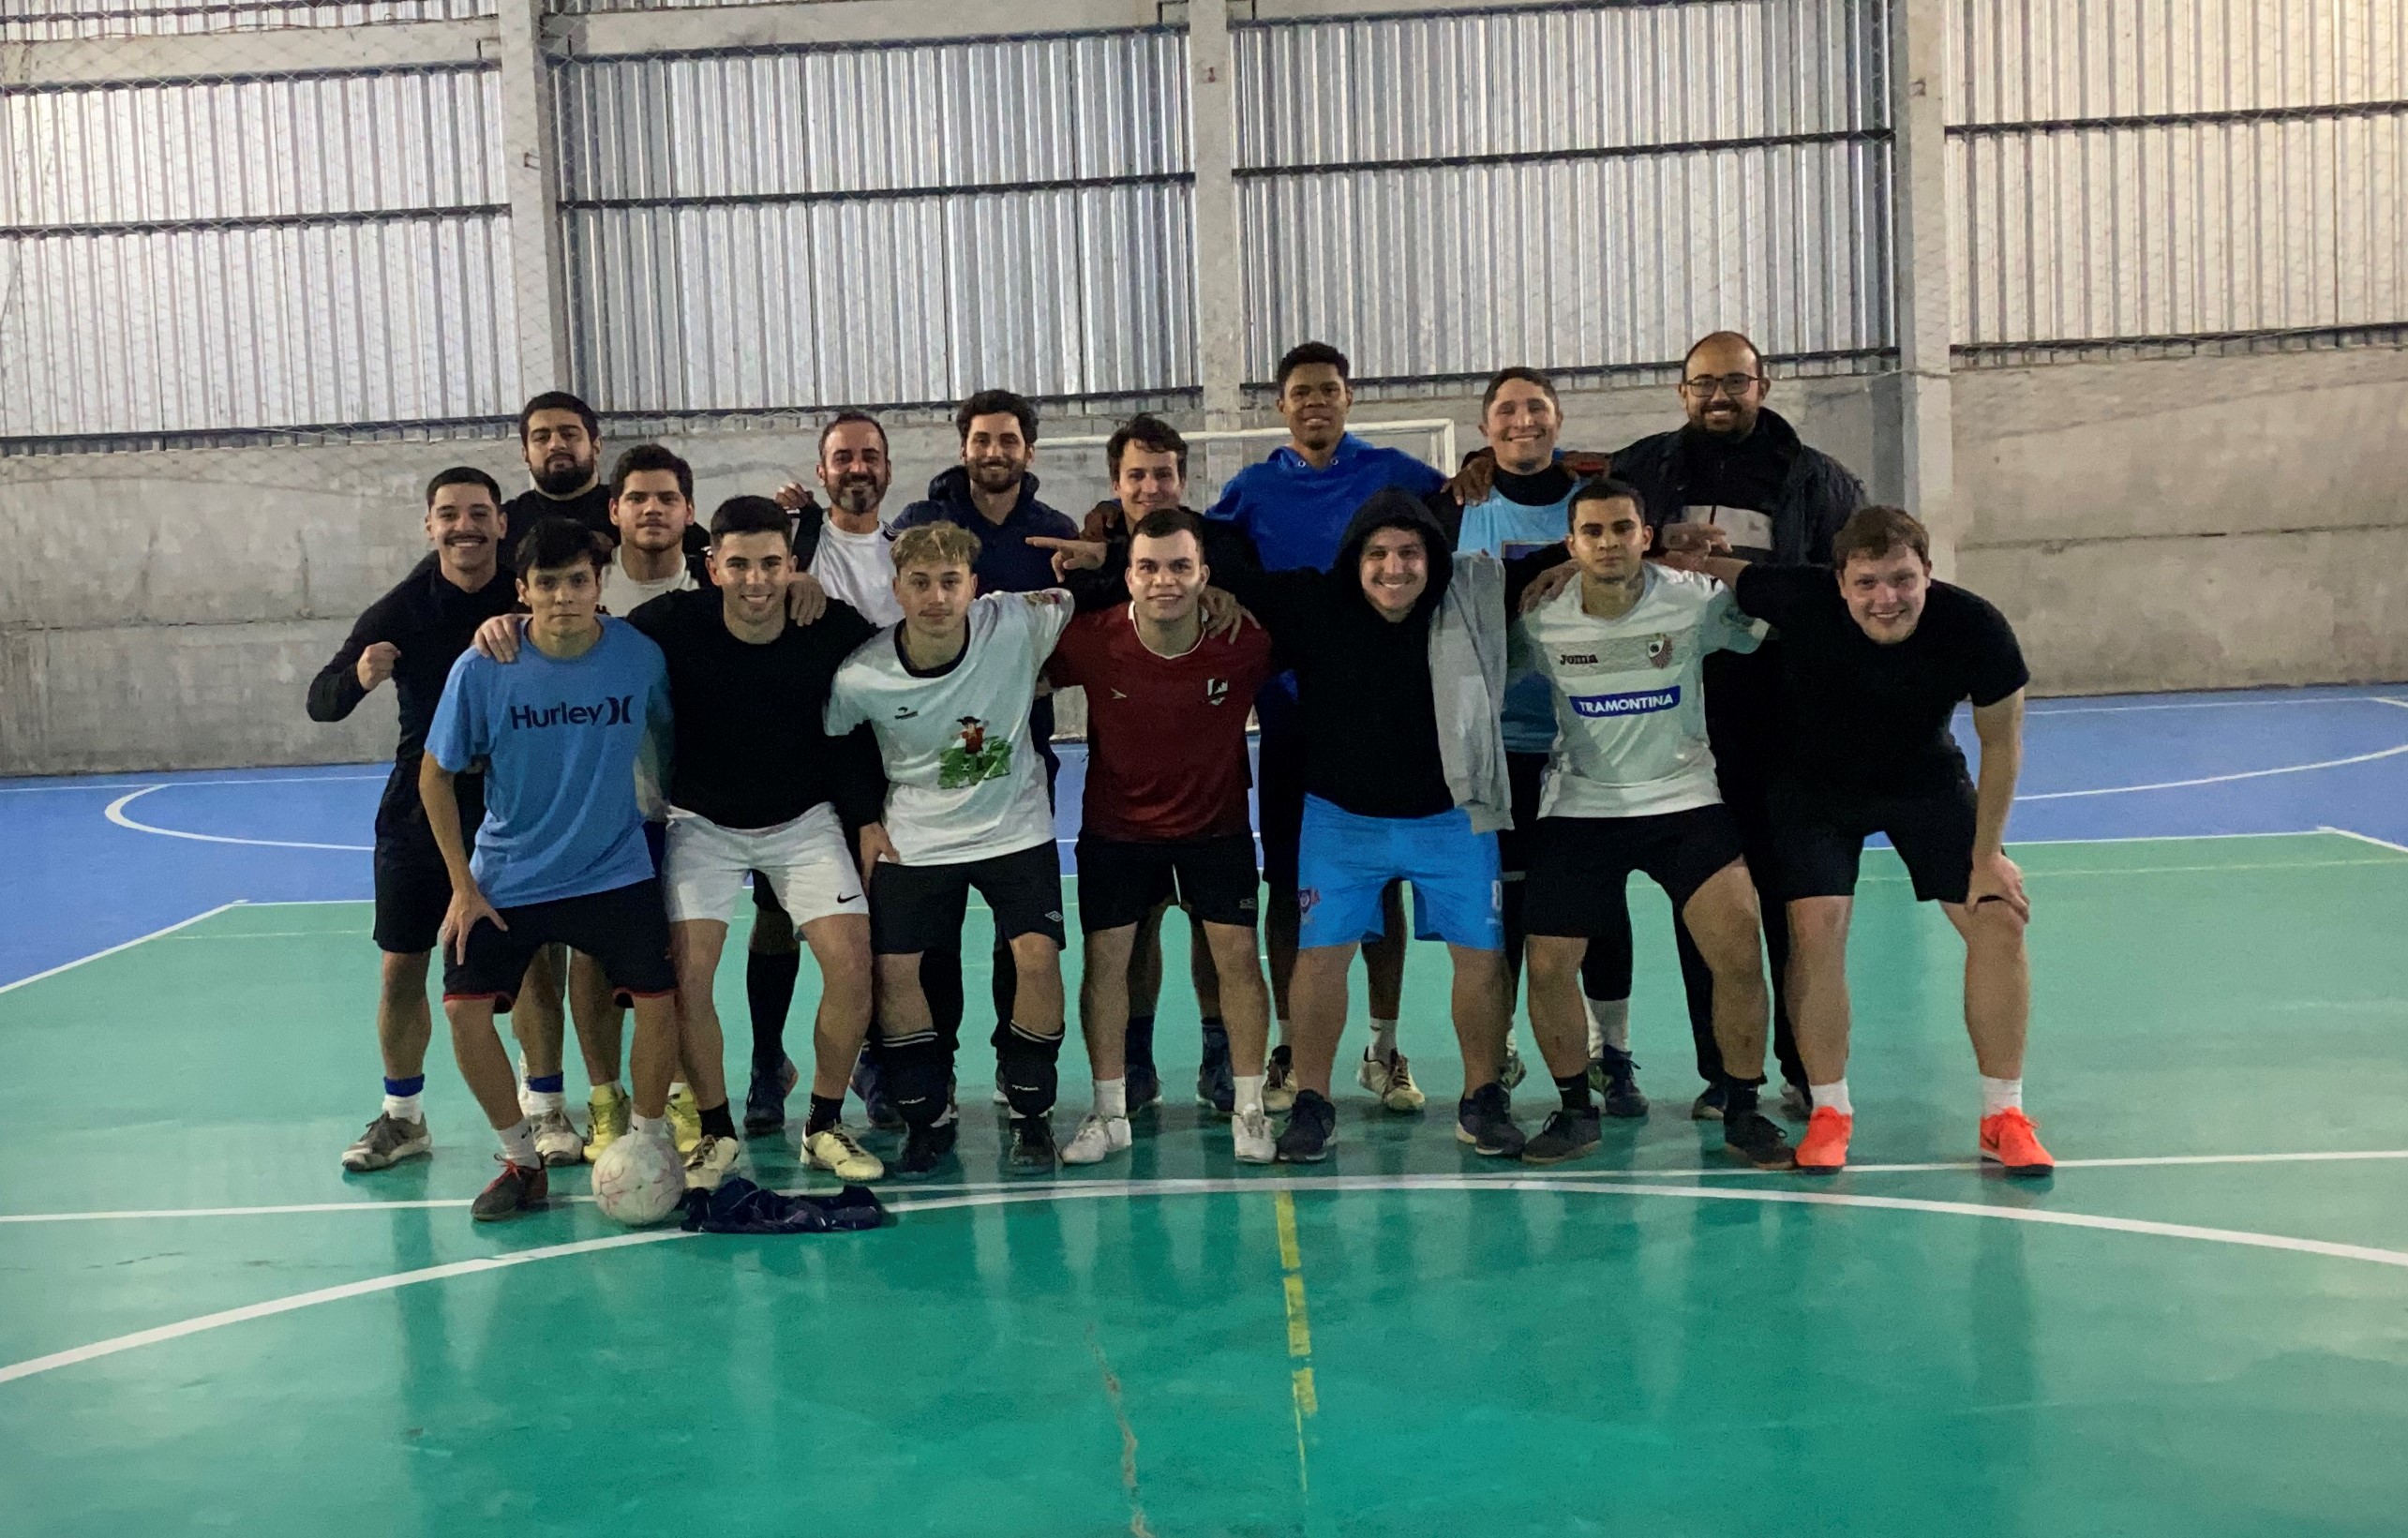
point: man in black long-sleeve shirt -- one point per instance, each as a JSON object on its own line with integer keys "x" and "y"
{"x": 755, "y": 785}
{"x": 411, "y": 636}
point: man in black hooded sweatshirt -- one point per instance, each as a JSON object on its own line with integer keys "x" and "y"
{"x": 1399, "y": 785}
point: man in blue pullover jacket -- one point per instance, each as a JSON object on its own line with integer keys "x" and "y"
{"x": 1296, "y": 507}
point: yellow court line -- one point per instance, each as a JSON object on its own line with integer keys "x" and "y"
{"x": 1304, "y": 1402}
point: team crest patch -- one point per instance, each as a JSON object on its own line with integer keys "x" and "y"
{"x": 1308, "y": 899}
{"x": 1216, "y": 691}
{"x": 1659, "y": 651}
{"x": 975, "y": 758}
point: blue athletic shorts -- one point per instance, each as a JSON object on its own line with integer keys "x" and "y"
{"x": 1345, "y": 861}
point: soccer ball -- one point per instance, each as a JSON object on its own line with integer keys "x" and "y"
{"x": 638, "y": 1181}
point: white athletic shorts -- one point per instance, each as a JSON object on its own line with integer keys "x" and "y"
{"x": 806, "y": 861}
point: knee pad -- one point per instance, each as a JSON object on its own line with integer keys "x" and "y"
{"x": 1030, "y": 1074}
{"x": 917, "y": 1074}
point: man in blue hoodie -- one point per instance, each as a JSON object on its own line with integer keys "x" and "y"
{"x": 992, "y": 494}
{"x": 1296, "y": 507}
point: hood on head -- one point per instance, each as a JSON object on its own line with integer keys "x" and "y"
{"x": 1390, "y": 508}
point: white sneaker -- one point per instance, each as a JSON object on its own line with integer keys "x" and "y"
{"x": 1096, "y": 1139}
{"x": 1249, "y": 1136}
{"x": 1391, "y": 1080}
{"x": 1514, "y": 1071}
{"x": 838, "y": 1151}
{"x": 707, "y": 1165}
{"x": 1280, "y": 1080}
{"x": 557, "y": 1140}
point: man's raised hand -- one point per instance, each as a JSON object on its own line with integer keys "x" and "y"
{"x": 375, "y": 663}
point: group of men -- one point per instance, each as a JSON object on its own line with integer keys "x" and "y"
{"x": 1507, "y": 689}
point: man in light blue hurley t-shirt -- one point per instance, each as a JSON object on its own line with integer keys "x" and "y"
{"x": 561, "y": 857}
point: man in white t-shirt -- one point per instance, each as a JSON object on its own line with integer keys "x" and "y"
{"x": 947, "y": 692}
{"x": 651, "y": 505}
{"x": 849, "y": 547}
{"x": 1630, "y": 787}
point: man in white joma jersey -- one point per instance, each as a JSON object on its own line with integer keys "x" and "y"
{"x": 1630, "y": 787}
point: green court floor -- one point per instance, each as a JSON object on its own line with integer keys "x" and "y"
{"x": 2200, "y": 1327}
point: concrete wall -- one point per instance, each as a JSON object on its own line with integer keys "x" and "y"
{"x": 2198, "y": 523}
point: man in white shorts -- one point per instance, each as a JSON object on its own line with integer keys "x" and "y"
{"x": 754, "y": 785}
{"x": 948, "y": 692}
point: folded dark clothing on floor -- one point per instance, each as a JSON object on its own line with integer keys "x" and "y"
{"x": 739, "y": 1206}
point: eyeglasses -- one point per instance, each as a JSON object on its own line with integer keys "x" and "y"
{"x": 1734, "y": 385}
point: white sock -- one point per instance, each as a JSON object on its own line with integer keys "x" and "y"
{"x": 1608, "y": 1024}
{"x": 536, "y": 1101}
{"x": 518, "y": 1143}
{"x": 403, "y": 1108}
{"x": 1112, "y": 1097}
{"x": 1249, "y": 1091}
{"x": 2001, "y": 1095}
{"x": 679, "y": 1088}
{"x": 1833, "y": 1095}
{"x": 650, "y": 1126}
{"x": 1383, "y": 1039}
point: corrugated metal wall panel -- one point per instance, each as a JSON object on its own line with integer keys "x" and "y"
{"x": 1451, "y": 271}
{"x": 1550, "y": 81}
{"x": 257, "y": 326}
{"x": 745, "y": 306}
{"x": 56, "y": 21}
{"x": 871, "y": 120}
{"x": 912, "y": 223}
{"x": 2025, "y": 61}
{"x": 251, "y": 149}
{"x": 2186, "y": 229}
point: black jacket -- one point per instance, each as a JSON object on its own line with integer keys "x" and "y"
{"x": 1817, "y": 495}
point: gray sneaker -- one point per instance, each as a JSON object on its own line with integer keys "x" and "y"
{"x": 386, "y": 1142}
{"x": 557, "y": 1140}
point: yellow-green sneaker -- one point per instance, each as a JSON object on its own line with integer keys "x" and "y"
{"x": 835, "y": 1150}
{"x": 607, "y": 1106}
{"x": 685, "y": 1120}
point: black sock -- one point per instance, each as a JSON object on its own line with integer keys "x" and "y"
{"x": 826, "y": 1112}
{"x": 1739, "y": 1093}
{"x": 1030, "y": 1077}
{"x": 769, "y": 987}
{"x": 1574, "y": 1091}
{"x": 716, "y": 1123}
{"x": 1141, "y": 1040}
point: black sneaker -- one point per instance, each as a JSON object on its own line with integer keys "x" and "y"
{"x": 1306, "y": 1138}
{"x": 765, "y": 1102}
{"x": 1486, "y": 1122}
{"x": 1615, "y": 1078}
{"x": 1215, "y": 1088}
{"x": 1032, "y": 1147}
{"x": 1754, "y": 1137}
{"x": 1708, "y": 1107}
{"x": 869, "y": 1084}
{"x": 924, "y": 1148}
{"x": 515, "y": 1190}
{"x": 1567, "y": 1135}
{"x": 1144, "y": 1086}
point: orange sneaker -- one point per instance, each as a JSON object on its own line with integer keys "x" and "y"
{"x": 1824, "y": 1150}
{"x": 2010, "y": 1139}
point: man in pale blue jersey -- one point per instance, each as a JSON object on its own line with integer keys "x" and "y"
{"x": 1517, "y": 509}
{"x": 561, "y": 857}
{"x": 1296, "y": 506}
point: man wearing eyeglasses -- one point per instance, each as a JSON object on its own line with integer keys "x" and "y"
{"x": 1739, "y": 470}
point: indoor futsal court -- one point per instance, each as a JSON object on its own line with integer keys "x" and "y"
{"x": 2195, "y": 1328}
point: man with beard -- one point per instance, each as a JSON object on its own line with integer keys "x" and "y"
{"x": 1296, "y": 507}
{"x": 992, "y": 494}
{"x": 561, "y": 438}
{"x": 412, "y": 636}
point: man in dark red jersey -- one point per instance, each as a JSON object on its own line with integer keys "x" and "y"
{"x": 1165, "y": 813}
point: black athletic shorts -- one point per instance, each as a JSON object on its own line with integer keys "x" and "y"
{"x": 626, "y": 929}
{"x": 1817, "y": 835}
{"x": 1280, "y": 798}
{"x": 1581, "y": 865}
{"x": 1526, "y": 776}
{"x": 915, "y": 908}
{"x": 1121, "y": 882}
{"x": 413, "y": 892}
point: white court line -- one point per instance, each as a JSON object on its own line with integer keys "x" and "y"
{"x": 2218, "y": 779}
{"x": 115, "y": 813}
{"x": 136, "y": 784}
{"x": 1098, "y": 1190}
{"x": 2365, "y": 838}
{"x": 415, "y": 1204}
{"x": 2213, "y": 705}
{"x": 123, "y": 944}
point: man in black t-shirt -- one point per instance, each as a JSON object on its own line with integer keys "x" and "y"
{"x": 757, "y": 786}
{"x": 561, "y": 438}
{"x": 1874, "y": 664}
{"x": 411, "y": 636}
